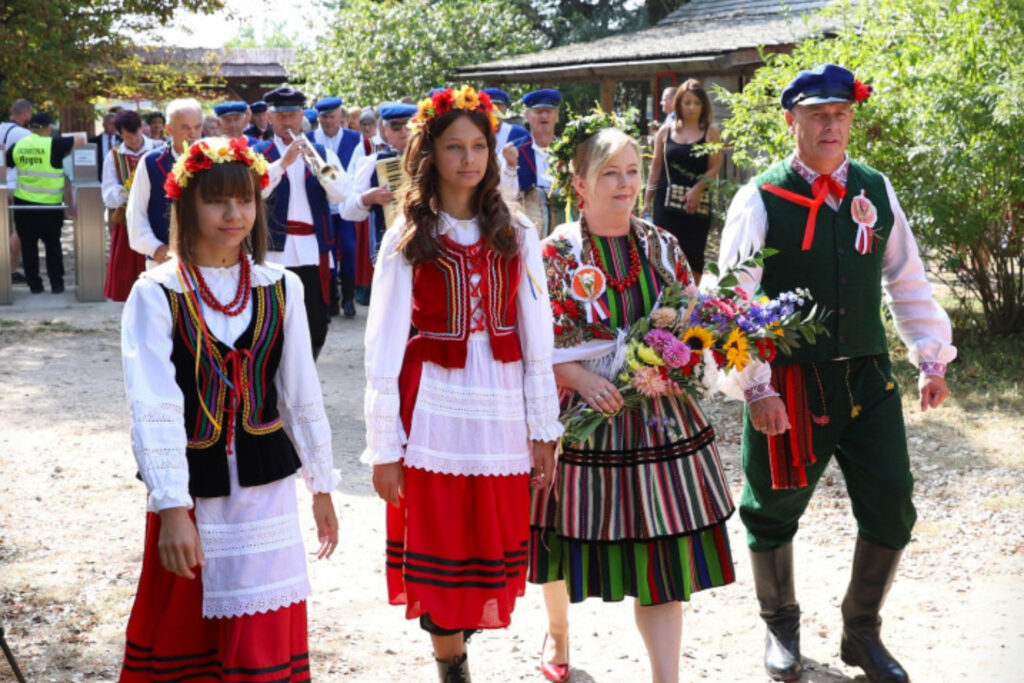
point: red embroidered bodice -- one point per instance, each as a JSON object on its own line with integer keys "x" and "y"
{"x": 466, "y": 289}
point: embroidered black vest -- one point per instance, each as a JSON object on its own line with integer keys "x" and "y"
{"x": 237, "y": 386}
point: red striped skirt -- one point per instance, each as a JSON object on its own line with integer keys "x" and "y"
{"x": 169, "y": 640}
{"x": 457, "y": 547}
{"x": 123, "y": 266}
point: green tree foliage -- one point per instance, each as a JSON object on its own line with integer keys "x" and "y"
{"x": 53, "y": 47}
{"x": 945, "y": 123}
{"x": 375, "y": 51}
{"x": 273, "y": 35}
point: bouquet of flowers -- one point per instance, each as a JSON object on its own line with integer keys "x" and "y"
{"x": 690, "y": 336}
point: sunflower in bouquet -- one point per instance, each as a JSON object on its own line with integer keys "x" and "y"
{"x": 691, "y": 336}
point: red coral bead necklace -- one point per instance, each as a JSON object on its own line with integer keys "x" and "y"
{"x": 618, "y": 283}
{"x": 241, "y": 299}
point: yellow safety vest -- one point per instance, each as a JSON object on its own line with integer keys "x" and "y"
{"x": 39, "y": 182}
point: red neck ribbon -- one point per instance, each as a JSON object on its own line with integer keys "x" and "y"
{"x": 820, "y": 188}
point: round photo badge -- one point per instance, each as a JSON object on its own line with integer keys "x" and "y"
{"x": 588, "y": 285}
{"x": 865, "y": 215}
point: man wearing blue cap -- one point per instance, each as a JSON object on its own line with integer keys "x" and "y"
{"x": 298, "y": 207}
{"x": 507, "y": 132}
{"x": 534, "y": 181}
{"x": 346, "y": 143}
{"x": 370, "y": 193}
{"x": 841, "y": 234}
{"x": 259, "y": 126}
{"x": 234, "y": 118}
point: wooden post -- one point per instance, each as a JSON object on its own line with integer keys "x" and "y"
{"x": 607, "y": 94}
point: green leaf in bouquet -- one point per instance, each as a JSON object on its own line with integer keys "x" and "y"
{"x": 729, "y": 280}
{"x": 711, "y": 267}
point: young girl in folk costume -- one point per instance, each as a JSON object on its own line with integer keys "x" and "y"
{"x": 639, "y": 508}
{"x": 457, "y": 414}
{"x": 225, "y": 406}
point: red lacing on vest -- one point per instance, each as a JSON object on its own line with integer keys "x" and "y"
{"x": 476, "y": 271}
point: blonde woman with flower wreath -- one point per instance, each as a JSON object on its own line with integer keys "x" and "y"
{"x": 226, "y": 407}
{"x": 457, "y": 415}
{"x": 639, "y": 508}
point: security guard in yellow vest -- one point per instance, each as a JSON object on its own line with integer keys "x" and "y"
{"x": 38, "y": 158}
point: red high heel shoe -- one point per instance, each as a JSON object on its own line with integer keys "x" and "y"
{"x": 559, "y": 673}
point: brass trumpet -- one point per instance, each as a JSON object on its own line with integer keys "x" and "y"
{"x": 323, "y": 171}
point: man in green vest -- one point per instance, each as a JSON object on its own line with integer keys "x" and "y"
{"x": 38, "y": 159}
{"x": 841, "y": 234}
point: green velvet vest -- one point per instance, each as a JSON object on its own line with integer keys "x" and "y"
{"x": 841, "y": 280}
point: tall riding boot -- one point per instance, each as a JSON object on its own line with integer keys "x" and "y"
{"x": 455, "y": 670}
{"x": 773, "y": 581}
{"x": 874, "y": 567}
{"x": 348, "y": 296}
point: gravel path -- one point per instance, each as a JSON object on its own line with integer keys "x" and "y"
{"x": 71, "y": 530}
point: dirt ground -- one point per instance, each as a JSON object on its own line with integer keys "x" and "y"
{"x": 71, "y": 531}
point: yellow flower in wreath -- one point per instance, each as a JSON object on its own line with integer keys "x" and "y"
{"x": 736, "y": 348}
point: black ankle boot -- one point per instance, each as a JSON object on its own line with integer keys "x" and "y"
{"x": 773, "y": 582}
{"x": 348, "y": 296}
{"x": 455, "y": 670}
{"x": 874, "y": 568}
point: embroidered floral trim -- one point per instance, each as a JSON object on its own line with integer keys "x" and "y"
{"x": 760, "y": 391}
{"x": 248, "y": 538}
{"x": 932, "y": 367}
{"x": 472, "y": 403}
{"x": 490, "y": 468}
{"x": 218, "y": 608}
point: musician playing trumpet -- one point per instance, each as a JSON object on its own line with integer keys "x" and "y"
{"x": 305, "y": 179}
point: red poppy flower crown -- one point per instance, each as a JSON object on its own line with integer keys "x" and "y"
{"x": 209, "y": 151}
{"x": 449, "y": 99}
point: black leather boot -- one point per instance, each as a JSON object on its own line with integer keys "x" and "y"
{"x": 455, "y": 670}
{"x": 773, "y": 581}
{"x": 348, "y": 296}
{"x": 874, "y": 568}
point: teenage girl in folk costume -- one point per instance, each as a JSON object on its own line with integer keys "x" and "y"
{"x": 457, "y": 415}
{"x": 226, "y": 406}
{"x": 639, "y": 508}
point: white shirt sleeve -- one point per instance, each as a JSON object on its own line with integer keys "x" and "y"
{"x": 387, "y": 331}
{"x": 275, "y": 171}
{"x": 537, "y": 337}
{"x": 300, "y": 399}
{"x": 111, "y": 189}
{"x": 921, "y": 323}
{"x": 140, "y": 232}
{"x": 746, "y": 225}
{"x": 353, "y": 209}
{"x": 155, "y": 401}
{"x": 358, "y": 154}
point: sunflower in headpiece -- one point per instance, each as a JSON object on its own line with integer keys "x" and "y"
{"x": 443, "y": 101}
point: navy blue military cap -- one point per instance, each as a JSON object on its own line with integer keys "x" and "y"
{"x": 394, "y": 111}
{"x": 327, "y": 104}
{"x": 820, "y": 85}
{"x": 258, "y": 107}
{"x": 498, "y": 95}
{"x": 542, "y": 98}
{"x": 229, "y": 108}
{"x": 285, "y": 99}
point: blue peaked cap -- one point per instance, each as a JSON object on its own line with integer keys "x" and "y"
{"x": 228, "y": 108}
{"x": 327, "y": 104}
{"x": 392, "y": 111}
{"x": 820, "y": 85}
{"x": 542, "y": 98}
{"x": 311, "y": 114}
{"x": 498, "y": 95}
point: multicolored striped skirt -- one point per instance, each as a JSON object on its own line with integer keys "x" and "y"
{"x": 639, "y": 509}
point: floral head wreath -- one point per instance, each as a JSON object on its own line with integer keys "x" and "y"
{"x": 450, "y": 99}
{"x": 209, "y": 151}
{"x": 575, "y": 133}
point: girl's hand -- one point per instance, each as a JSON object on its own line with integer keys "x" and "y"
{"x": 326, "y": 524}
{"x": 597, "y": 391}
{"x": 542, "y": 458}
{"x": 179, "y": 545}
{"x": 389, "y": 481}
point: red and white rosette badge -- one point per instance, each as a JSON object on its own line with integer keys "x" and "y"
{"x": 588, "y": 284}
{"x": 865, "y": 215}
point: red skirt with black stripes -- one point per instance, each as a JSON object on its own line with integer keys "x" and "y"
{"x": 169, "y": 640}
{"x": 457, "y": 548}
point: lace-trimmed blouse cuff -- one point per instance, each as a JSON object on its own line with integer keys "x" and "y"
{"x": 171, "y": 492}
{"x": 932, "y": 367}
{"x": 756, "y": 393}
{"x": 321, "y": 479}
